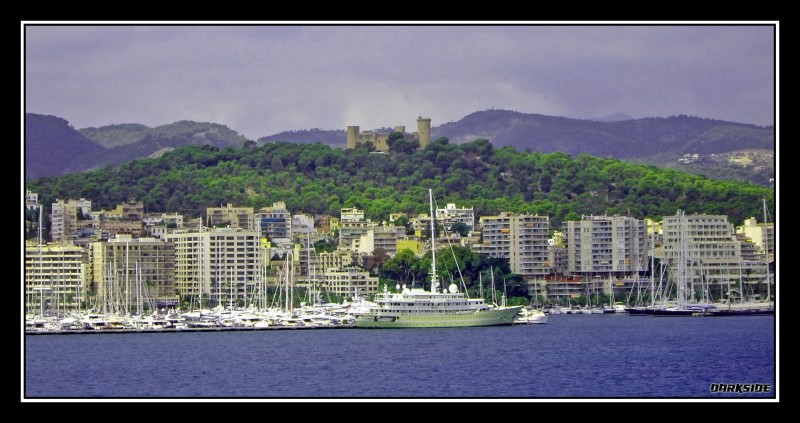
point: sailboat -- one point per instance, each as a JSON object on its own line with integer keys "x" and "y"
{"x": 750, "y": 308}
{"x": 438, "y": 308}
{"x": 683, "y": 306}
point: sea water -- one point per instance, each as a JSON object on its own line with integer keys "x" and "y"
{"x": 608, "y": 356}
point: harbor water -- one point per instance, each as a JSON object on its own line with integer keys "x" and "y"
{"x": 571, "y": 357}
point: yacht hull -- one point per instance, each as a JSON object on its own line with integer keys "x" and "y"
{"x": 495, "y": 317}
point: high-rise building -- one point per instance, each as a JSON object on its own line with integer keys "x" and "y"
{"x": 131, "y": 274}
{"x": 704, "y": 249}
{"x": 522, "y": 238}
{"x": 223, "y": 266}
{"x": 55, "y": 278}
{"x": 64, "y": 221}
{"x": 605, "y": 246}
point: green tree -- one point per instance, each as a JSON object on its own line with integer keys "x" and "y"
{"x": 324, "y": 246}
{"x": 374, "y": 262}
{"x": 401, "y": 268}
{"x": 460, "y": 228}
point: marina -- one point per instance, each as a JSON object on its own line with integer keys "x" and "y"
{"x": 174, "y": 330}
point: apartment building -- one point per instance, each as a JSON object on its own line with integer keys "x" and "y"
{"x": 452, "y": 214}
{"x": 706, "y": 252}
{"x": 235, "y": 217}
{"x": 222, "y": 265}
{"x": 348, "y": 281}
{"x": 762, "y": 234}
{"x": 64, "y": 217}
{"x": 132, "y": 274}
{"x": 384, "y": 237}
{"x": 606, "y": 245}
{"x": 273, "y": 222}
{"x": 55, "y": 278}
{"x": 31, "y": 200}
{"x": 522, "y": 238}
{"x": 352, "y": 226}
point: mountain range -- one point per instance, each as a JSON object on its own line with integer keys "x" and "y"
{"x": 719, "y": 149}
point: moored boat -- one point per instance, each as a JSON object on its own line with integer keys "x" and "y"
{"x": 531, "y": 316}
{"x": 417, "y": 308}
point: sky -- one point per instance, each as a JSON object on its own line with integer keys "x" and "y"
{"x": 264, "y": 78}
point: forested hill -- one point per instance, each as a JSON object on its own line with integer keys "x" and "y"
{"x": 717, "y": 149}
{"x": 316, "y": 178}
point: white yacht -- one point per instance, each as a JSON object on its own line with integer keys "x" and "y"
{"x": 417, "y": 308}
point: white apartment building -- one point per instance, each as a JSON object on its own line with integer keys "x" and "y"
{"x": 710, "y": 252}
{"x": 222, "y": 265}
{"x": 451, "y": 214}
{"x": 523, "y": 239}
{"x": 55, "y": 278}
{"x": 302, "y": 225}
{"x": 351, "y": 214}
{"x": 63, "y": 221}
{"x": 605, "y": 246}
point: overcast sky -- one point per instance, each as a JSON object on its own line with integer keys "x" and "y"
{"x": 263, "y": 79}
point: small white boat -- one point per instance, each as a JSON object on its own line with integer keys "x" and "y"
{"x": 531, "y": 316}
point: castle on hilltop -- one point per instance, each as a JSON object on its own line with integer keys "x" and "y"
{"x": 380, "y": 141}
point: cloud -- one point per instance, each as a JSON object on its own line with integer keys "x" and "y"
{"x": 264, "y": 79}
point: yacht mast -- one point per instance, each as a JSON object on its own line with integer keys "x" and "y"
{"x": 653, "y": 266}
{"x": 433, "y": 245}
{"x": 766, "y": 241}
{"x": 681, "y": 259}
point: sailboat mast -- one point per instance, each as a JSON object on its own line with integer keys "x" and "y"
{"x": 433, "y": 244}
{"x": 127, "y": 282}
{"x": 653, "y": 265}
{"x": 766, "y": 241}
{"x": 312, "y": 296}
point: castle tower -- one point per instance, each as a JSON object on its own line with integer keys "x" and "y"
{"x": 423, "y": 131}
{"x": 400, "y": 129}
{"x": 352, "y": 136}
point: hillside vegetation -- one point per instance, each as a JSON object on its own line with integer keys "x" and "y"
{"x": 661, "y": 142}
{"x": 316, "y": 178}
